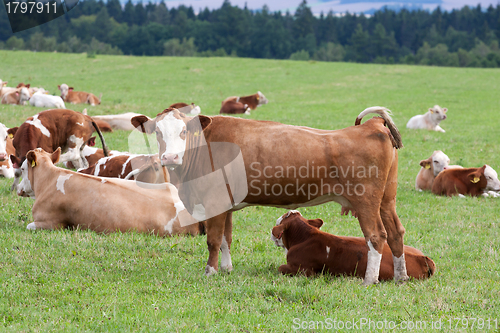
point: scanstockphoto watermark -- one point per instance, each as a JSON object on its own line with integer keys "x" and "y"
{"x": 309, "y": 180}
{"x": 369, "y": 324}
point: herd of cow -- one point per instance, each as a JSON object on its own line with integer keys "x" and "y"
{"x": 150, "y": 193}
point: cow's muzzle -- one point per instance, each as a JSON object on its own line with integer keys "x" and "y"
{"x": 170, "y": 160}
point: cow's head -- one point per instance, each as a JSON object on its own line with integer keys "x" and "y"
{"x": 4, "y": 135}
{"x": 25, "y": 96}
{"x": 261, "y": 98}
{"x": 173, "y": 130}
{"x": 437, "y": 113}
{"x": 64, "y": 89}
{"x": 285, "y": 221}
{"x": 34, "y": 158}
{"x": 438, "y": 162}
{"x": 493, "y": 184}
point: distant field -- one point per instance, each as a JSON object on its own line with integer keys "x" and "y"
{"x": 82, "y": 281}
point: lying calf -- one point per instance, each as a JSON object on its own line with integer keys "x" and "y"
{"x": 78, "y": 97}
{"x": 144, "y": 168}
{"x": 471, "y": 181}
{"x": 64, "y": 198}
{"x": 191, "y": 109}
{"x": 232, "y": 107}
{"x": 42, "y": 100}
{"x": 311, "y": 251}
{"x": 431, "y": 167}
{"x": 430, "y": 120}
{"x": 92, "y": 154}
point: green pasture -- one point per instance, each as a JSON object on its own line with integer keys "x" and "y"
{"x": 80, "y": 281}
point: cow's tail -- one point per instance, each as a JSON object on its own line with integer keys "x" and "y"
{"x": 104, "y": 147}
{"x": 385, "y": 114}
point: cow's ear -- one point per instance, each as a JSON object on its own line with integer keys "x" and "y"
{"x": 317, "y": 223}
{"x": 475, "y": 176}
{"x": 91, "y": 142}
{"x": 143, "y": 123}
{"x": 445, "y": 109}
{"x": 59, "y": 86}
{"x": 12, "y": 131}
{"x": 5, "y": 83}
{"x": 56, "y": 155}
{"x": 278, "y": 230}
{"x": 431, "y": 110}
{"x": 28, "y": 85}
{"x": 70, "y": 88}
{"x": 426, "y": 163}
{"x": 16, "y": 161}
{"x": 31, "y": 157}
{"x": 204, "y": 121}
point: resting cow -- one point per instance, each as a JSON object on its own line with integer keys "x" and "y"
{"x": 92, "y": 154}
{"x": 66, "y": 199}
{"x": 471, "y": 181}
{"x": 17, "y": 97}
{"x": 42, "y": 100}
{"x": 191, "y": 109}
{"x": 356, "y": 167}
{"x": 6, "y": 149}
{"x": 311, "y": 251}
{"x": 431, "y": 167}
{"x": 430, "y": 120}
{"x": 78, "y": 97}
{"x": 118, "y": 121}
{"x": 232, "y": 107}
{"x": 51, "y": 129}
{"x": 253, "y": 101}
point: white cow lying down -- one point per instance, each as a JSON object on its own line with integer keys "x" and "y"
{"x": 64, "y": 198}
{"x": 430, "y": 120}
{"x": 42, "y": 100}
{"x": 119, "y": 121}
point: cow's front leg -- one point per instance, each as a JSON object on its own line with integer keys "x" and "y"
{"x": 225, "y": 261}
{"x": 44, "y": 225}
{"x": 215, "y": 235}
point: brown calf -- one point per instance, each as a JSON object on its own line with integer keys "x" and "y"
{"x": 471, "y": 181}
{"x": 232, "y": 107}
{"x": 311, "y": 251}
{"x": 78, "y": 97}
{"x": 253, "y": 101}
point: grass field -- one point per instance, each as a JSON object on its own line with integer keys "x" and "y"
{"x": 83, "y": 281}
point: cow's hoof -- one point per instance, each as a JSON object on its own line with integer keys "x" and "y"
{"x": 367, "y": 283}
{"x": 227, "y": 268}
{"x": 401, "y": 279}
{"x": 209, "y": 270}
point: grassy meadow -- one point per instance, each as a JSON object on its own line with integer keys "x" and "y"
{"x": 80, "y": 281}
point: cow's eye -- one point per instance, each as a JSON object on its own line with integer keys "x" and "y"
{"x": 184, "y": 132}
{"x": 436, "y": 162}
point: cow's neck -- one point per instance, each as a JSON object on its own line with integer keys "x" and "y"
{"x": 189, "y": 165}
{"x": 43, "y": 174}
{"x": 297, "y": 232}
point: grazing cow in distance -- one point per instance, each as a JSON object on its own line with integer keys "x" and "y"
{"x": 51, "y": 129}
{"x": 17, "y": 97}
{"x": 232, "y": 107}
{"x": 265, "y": 150}
{"x": 6, "y": 149}
{"x": 117, "y": 121}
{"x": 42, "y": 100}
{"x": 191, "y": 109}
{"x": 311, "y": 251}
{"x": 430, "y": 120}
{"x": 78, "y": 97}
{"x": 467, "y": 181}
{"x": 253, "y": 101}
{"x": 431, "y": 167}
{"x": 66, "y": 199}
{"x": 143, "y": 168}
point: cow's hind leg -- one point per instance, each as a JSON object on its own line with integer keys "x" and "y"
{"x": 225, "y": 262}
{"x": 215, "y": 235}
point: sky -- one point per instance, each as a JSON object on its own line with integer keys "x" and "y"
{"x": 338, "y": 6}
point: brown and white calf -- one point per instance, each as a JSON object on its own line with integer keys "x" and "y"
{"x": 78, "y": 97}
{"x": 311, "y": 251}
{"x": 362, "y": 157}
{"x": 51, "y": 129}
{"x": 467, "y": 181}
{"x": 19, "y": 96}
{"x": 431, "y": 167}
{"x": 253, "y": 101}
{"x": 66, "y": 199}
{"x": 4, "y": 89}
{"x": 430, "y": 120}
{"x": 232, "y": 107}
{"x": 191, "y": 109}
{"x": 92, "y": 154}
{"x": 6, "y": 149}
{"x": 143, "y": 168}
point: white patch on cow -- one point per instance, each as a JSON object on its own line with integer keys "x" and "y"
{"x": 262, "y": 99}
{"x": 493, "y": 184}
{"x": 100, "y": 163}
{"x": 278, "y": 241}
{"x": 327, "y": 252}
{"x": 461, "y": 195}
{"x": 400, "y": 268}
{"x": 31, "y": 226}
{"x": 169, "y": 227}
{"x": 225, "y": 262}
{"x": 38, "y": 124}
{"x": 24, "y": 188}
{"x": 199, "y": 212}
{"x": 60, "y": 182}
{"x": 7, "y": 171}
{"x": 75, "y": 154}
{"x": 127, "y": 162}
{"x": 209, "y": 270}
{"x": 171, "y": 128}
{"x": 196, "y": 110}
{"x": 287, "y": 214}
{"x": 373, "y": 265}
{"x": 81, "y": 124}
{"x": 3, "y": 139}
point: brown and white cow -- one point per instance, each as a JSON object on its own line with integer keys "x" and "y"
{"x": 51, "y": 129}
{"x": 78, "y": 97}
{"x": 431, "y": 167}
{"x": 19, "y": 96}
{"x": 467, "y": 181}
{"x": 253, "y": 101}
{"x": 4, "y": 89}
{"x": 92, "y": 154}
{"x": 191, "y": 109}
{"x": 143, "y": 168}
{"x": 311, "y": 251}
{"x": 6, "y": 149}
{"x": 118, "y": 121}
{"x": 356, "y": 167}
{"x": 66, "y": 199}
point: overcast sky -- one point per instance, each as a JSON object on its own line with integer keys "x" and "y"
{"x": 353, "y": 6}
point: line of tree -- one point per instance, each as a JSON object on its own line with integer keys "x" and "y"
{"x": 466, "y": 37}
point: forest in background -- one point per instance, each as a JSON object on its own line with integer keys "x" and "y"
{"x": 468, "y": 37}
